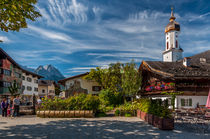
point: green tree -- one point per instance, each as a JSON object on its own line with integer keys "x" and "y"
{"x": 13, "y": 89}
{"x": 14, "y": 13}
{"x": 131, "y": 79}
{"x": 108, "y": 78}
{"x": 173, "y": 97}
{"x": 57, "y": 91}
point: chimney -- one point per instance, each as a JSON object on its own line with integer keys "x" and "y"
{"x": 202, "y": 60}
{"x": 186, "y": 61}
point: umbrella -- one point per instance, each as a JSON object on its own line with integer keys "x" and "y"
{"x": 208, "y": 101}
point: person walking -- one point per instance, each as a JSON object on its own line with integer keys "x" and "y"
{"x": 16, "y": 105}
{"x": 4, "y": 106}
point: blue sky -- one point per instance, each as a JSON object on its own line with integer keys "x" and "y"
{"x": 76, "y": 35}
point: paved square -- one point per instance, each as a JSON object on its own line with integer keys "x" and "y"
{"x": 84, "y": 128}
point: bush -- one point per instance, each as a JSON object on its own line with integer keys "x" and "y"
{"x": 101, "y": 114}
{"x": 77, "y": 102}
{"x": 128, "y": 115}
{"x": 109, "y": 98}
{"x": 117, "y": 112}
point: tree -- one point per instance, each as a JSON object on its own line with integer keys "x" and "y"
{"x": 14, "y": 13}
{"x": 57, "y": 91}
{"x": 108, "y": 78}
{"x": 173, "y": 97}
{"x": 13, "y": 89}
{"x": 131, "y": 79}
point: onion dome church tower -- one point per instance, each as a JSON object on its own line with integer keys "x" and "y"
{"x": 173, "y": 51}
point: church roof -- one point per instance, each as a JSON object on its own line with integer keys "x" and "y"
{"x": 196, "y": 69}
{"x": 172, "y": 25}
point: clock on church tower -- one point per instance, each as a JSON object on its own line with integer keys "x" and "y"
{"x": 173, "y": 51}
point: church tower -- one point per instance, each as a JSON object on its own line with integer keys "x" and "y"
{"x": 173, "y": 51}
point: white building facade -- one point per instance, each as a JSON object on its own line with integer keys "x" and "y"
{"x": 30, "y": 83}
{"x": 173, "y": 51}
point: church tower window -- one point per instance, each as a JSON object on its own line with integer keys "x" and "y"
{"x": 167, "y": 45}
{"x": 176, "y": 44}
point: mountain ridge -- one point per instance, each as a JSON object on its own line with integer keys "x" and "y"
{"x": 49, "y": 72}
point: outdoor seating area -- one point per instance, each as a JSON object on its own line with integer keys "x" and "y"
{"x": 196, "y": 120}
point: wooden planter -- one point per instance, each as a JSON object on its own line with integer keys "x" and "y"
{"x": 150, "y": 119}
{"x": 138, "y": 113}
{"x": 161, "y": 123}
{"x": 65, "y": 114}
{"x": 143, "y": 116}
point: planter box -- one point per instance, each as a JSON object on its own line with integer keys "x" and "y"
{"x": 150, "y": 119}
{"x": 143, "y": 116}
{"x": 161, "y": 123}
{"x": 167, "y": 124}
{"x": 138, "y": 113}
{"x": 65, "y": 114}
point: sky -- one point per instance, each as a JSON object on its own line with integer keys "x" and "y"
{"x": 77, "y": 35}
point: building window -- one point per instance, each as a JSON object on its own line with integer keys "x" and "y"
{"x": 167, "y": 45}
{"x": 5, "y": 84}
{"x": 35, "y": 89}
{"x": 176, "y": 44}
{"x": 43, "y": 91}
{"x": 186, "y": 102}
{"x": 23, "y": 87}
{"x": 23, "y": 77}
{"x": 18, "y": 75}
{"x": 29, "y": 88}
{"x": 51, "y": 91}
{"x": 29, "y": 79}
{"x": 96, "y": 88}
{"x": 7, "y": 72}
{"x": 35, "y": 81}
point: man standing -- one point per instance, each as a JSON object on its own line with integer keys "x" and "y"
{"x": 16, "y": 104}
{"x": 4, "y": 106}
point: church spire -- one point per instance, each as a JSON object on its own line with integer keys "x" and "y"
{"x": 172, "y": 18}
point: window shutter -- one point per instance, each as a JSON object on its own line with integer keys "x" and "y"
{"x": 182, "y": 102}
{"x": 190, "y": 102}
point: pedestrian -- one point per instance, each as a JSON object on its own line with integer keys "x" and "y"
{"x": 4, "y": 106}
{"x": 16, "y": 105}
{"x": 11, "y": 106}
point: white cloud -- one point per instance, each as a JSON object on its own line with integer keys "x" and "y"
{"x": 5, "y": 39}
{"x": 64, "y": 12}
{"x": 50, "y": 34}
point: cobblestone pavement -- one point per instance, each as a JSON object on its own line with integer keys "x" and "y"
{"x": 84, "y": 128}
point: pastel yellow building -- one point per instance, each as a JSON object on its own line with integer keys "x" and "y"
{"x": 46, "y": 88}
{"x": 77, "y": 84}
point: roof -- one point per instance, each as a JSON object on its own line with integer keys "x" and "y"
{"x": 178, "y": 70}
{"x": 9, "y": 58}
{"x": 73, "y": 77}
{"x": 46, "y": 82}
{"x": 32, "y": 73}
{"x": 16, "y": 64}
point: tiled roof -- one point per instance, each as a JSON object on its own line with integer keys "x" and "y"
{"x": 73, "y": 77}
{"x": 177, "y": 69}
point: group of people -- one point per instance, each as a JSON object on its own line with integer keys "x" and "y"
{"x": 10, "y": 107}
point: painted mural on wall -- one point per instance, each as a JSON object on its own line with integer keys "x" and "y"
{"x": 157, "y": 85}
{"x": 76, "y": 89}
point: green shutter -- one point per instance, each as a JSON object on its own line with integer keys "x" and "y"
{"x": 182, "y": 102}
{"x": 190, "y": 102}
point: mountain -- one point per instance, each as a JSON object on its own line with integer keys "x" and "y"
{"x": 49, "y": 72}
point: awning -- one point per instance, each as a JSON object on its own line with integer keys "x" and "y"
{"x": 208, "y": 101}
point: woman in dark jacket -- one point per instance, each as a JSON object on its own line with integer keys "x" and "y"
{"x": 4, "y": 106}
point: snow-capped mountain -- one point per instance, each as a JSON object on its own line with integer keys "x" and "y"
{"x": 49, "y": 72}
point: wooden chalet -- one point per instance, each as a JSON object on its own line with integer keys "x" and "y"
{"x": 191, "y": 76}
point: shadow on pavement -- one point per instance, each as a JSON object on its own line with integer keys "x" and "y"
{"x": 90, "y": 129}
